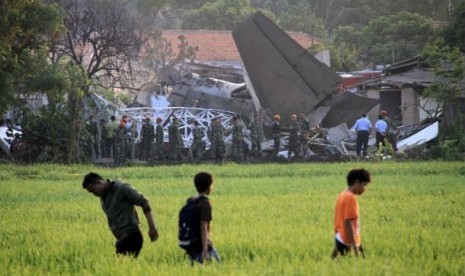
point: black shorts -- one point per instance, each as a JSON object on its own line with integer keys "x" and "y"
{"x": 344, "y": 249}
{"x": 130, "y": 244}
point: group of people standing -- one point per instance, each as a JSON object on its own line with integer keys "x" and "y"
{"x": 115, "y": 139}
{"x": 384, "y": 128}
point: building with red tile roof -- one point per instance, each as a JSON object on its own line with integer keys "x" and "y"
{"x": 219, "y": 45}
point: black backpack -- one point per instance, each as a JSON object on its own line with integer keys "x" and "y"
{"x": 189, "y": 235}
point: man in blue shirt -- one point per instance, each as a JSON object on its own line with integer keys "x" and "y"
{"x": 363, "y": 129}
{"x": 381, "y": 130}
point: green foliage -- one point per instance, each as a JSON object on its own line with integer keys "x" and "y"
{"x": 448, "y": 66}
{"x": 25, "y": 27}
{"x": 218, "y": 15}
{"x": 296, "y": 18}
{"x": 45, "y": 135}
{"x": 269, "y": 219}
{"x": 454, "y": 34}
{"x": 52, "y": 133}
{"x": 393, "y": 38}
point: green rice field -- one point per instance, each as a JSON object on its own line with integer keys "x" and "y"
{"x": 269, "y": 219}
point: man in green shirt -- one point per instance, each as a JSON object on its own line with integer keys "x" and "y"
{"x": 110, "y": 129}
{"x": 118, "y": 200}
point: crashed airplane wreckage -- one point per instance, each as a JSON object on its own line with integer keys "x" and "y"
{"x": 281, "y": 77}
{"x": 285, "y": 78}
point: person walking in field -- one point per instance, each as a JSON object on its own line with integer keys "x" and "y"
{"x": 194, "y": 222}
{"x": 347, "y": 217}
{"x": 118, "y": 200}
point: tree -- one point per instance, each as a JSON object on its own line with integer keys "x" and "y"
{"x": 389, "y": 39}
{"x": 448, "y": 67}
{"x": 56, "y": 134}
{"x": 217, "y": 15}
{"x": 25, "y": 28}
{"x": 345, "y": 48}
{"x": 160, "y": 60}
{"x": 297, "y": 19}
{"x": 447, "y": 64}
{"x": 454, "y": 34}
{"x": 102, "y": 38}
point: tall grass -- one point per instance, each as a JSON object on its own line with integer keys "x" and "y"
{"x": 269, "y": 219}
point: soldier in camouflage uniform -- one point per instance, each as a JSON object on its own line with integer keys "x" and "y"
{"x": 256, "y": 136}
{"x": 131, "y": 135}
{"x": 304, "y": 125}
{"x": 159, "y": 146}
{"x": 147, "y": 134}
{"x": 197, "y": 146}
{"x": 102, "y": 137}
{"x": 175, "y": 140}
{"x": 276, "y": 134}
{"x": 216, "y": 137}
{"x": 92, "y": 129}
{"x": 237, "y": 137}
{"x": 294, "y": 138}
{"x": 120, "y": 137}
{"x": 110, "y": 129}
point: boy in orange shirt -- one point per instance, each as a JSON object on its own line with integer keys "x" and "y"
{"x": 346, "y": 216}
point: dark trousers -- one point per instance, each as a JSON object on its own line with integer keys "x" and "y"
{"x": 362, "y": 142}
{"x": 130, "y": 244}
{"x": 110, "y": 151}
{"x": 379, "y": 139}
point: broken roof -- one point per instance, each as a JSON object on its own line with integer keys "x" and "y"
{"x": 417, "y": 76}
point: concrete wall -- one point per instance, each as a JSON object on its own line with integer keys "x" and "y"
{"x": 409, "y": 106}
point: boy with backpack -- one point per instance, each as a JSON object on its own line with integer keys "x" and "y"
{"x": 194, "y": 222}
